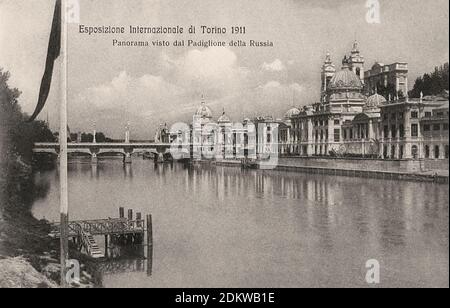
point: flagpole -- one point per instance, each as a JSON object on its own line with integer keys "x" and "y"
{"x": 64, "y": 198}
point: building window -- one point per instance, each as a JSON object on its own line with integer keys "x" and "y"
{"x": 436, "y": 152}
{"x": 414, "y": 151}
{"x": 401, "y": 152}
{"x": 385, "y": 151}
{"x": 446, "y": 151}
{"x": 337, "y": 122}
{"x": 402, "y": 131}
{"x": 386, "y": 131}
{"x": 345, "y": 134}
{"x": 393, "y": 151}
{"x": 385, "y": 116}
{"x": 351, "y": 134}
{"x": 393, "y": 117}
{"x": 440, "y": 114}
{"x": 427, "y": 151}
{"x": 428, "y": 114}
{"x": 445, "y": 127}
{"x": 436, "y": 127}
{"x": 414, "y": 130}
{"x": 337, "y": 135}
{"x": 394, "y": 131}
{"x": 414, "y": 115}
{"x": 321, "y": 135}
{"x": 400, "y": 115}
{"x": 426, "y": 128}
{"x": 269, "y": 138}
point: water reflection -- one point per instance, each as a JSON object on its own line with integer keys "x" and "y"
{"x": 127, "y": 171}
{"x": 126, "y": 260}
{"x": 224, "y": 227}
{"x": 94, "y": 171}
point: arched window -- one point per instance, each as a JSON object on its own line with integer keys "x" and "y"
{"x": 358, "y": 72}
{"x": 427, "y": 151}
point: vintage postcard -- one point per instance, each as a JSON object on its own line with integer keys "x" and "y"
{"x": 224, "y": 144}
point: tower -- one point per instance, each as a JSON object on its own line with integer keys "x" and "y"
{"x": 94, "y": 138}
{"x": 328, "y": 71}
{"x": 356, "y": 62}
{"x": 127, "y": 133}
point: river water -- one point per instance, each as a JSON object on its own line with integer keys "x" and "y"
{"x": 224, "y": 227}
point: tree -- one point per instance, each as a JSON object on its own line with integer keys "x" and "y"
{"x": 87, "y": 137}
{"x": 387, "y": 91}
{"x": 99, "y": 137}
{"x": 17, "y": 136}
{"x": 434, "y": 83}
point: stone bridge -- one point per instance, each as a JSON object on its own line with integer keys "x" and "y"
{"x": 94, "y": 150}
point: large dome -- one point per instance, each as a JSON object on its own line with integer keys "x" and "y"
{"x": 292, "y": 112}
{"x": 345, "y": 80}
{"x": 375, "y": 101}
{"x": 204, "y": 112}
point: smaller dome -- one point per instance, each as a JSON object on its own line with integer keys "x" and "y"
{"x": 224, "y": 118}
{"x": 292, "y": 112}
{"x": 375, "y": 100}
{"x": 204, "y": 111}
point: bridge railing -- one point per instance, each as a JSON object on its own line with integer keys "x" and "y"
{"x": 102, "y": 227}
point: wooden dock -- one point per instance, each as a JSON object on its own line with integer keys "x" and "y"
{"x": 123, "y": 231}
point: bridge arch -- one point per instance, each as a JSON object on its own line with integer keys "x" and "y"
{"x": 85, "y": 152}
{"x": 105, "y": 152}
{"x": 50, "y": 151}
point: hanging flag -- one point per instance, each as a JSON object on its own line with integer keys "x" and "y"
{"x": 54, "y": 50}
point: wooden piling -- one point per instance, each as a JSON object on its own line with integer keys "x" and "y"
{"x": 121, "y": 212}
{"x": 149, "y": 245}
{"x": 106, "y": 245}
{"x": 138, "y": 219}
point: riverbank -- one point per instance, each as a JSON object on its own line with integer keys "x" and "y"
{"x": 422, "y": 171}
{"x": 23, "y": 242}
{"x": 28, "y": 257}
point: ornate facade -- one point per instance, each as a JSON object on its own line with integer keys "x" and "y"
{"x": 395, "y": 74}
{"x": 347, "y": 122}
{"x": 318, "y": 129}
{"x": 414, "y": 129}
{"x": 224, "y": 139}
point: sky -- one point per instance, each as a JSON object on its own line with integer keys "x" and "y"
{"x": 110, "y": 86}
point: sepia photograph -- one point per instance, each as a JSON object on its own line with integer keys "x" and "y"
{"x": 203, "y": 146}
